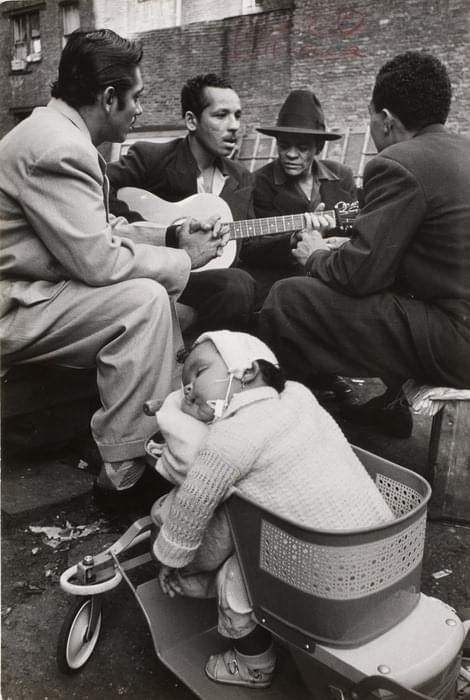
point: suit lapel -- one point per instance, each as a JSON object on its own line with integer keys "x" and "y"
{"x": 293, "y": 202}
{"x": 183, "y": 173}
{"x": 331, "y": 193}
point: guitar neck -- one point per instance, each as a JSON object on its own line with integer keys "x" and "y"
{"x": 267, "y": 227}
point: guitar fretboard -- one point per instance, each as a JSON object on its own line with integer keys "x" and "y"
{"x": 269, "y": 226}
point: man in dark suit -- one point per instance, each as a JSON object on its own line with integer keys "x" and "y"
{"x": 199, "y": 163}
{"x": 394, "y": 300}
{"x": 295, "y": 183}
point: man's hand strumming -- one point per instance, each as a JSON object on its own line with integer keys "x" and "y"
{"x": 202, "y": 241}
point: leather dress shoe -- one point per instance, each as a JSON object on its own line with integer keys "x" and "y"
{"x": 329, "y": 387}
{"x": 389, "y": 416}
{"x": 341, "y": 389}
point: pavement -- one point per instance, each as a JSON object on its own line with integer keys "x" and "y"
{"x": 50, "y": 490}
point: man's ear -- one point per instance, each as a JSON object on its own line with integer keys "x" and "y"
{"x": 108, "y": 97}
{"x": 252, "y": 373}
{"x": 191, "y": 121}
{"x": 388, "y": 120}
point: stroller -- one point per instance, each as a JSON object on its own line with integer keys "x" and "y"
{"x": 345, "y": 608}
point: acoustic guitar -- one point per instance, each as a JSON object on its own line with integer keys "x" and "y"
{"x": 201, "y": 206}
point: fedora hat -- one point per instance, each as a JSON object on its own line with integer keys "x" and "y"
{"x": 301, "y": 113}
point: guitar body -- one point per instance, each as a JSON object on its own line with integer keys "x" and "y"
{"x": 198, "y": 206}
{"x": 202, "y": 206}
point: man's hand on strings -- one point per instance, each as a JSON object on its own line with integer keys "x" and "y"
{"x": 316, "y": 220}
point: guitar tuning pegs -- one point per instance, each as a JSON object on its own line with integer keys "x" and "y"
{"x": 346, "y": 213}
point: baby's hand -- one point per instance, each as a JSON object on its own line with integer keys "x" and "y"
{"x": 168, "y": 580}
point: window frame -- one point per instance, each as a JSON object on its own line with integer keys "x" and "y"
{"x": 65, "y": 7}
{"x": 26, "y": 46}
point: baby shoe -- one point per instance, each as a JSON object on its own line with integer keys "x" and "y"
{"x": 236, "y": 668}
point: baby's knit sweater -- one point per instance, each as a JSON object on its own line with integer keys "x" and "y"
{"x": 183, "y": 435}
{"x": 284, "y": 452}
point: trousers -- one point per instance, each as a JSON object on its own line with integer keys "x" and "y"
{"x": 315, "y": 329}
{"x": 214, "y": 572}
{"x": 222, "y": 298}
{"x": 128, "y": 331}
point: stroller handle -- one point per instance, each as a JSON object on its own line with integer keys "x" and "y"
{"x": 151, "y": 407}
{"x": 88, "y": 589}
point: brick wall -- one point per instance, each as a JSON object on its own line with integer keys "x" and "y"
{"x": 332, "y": 46}
{"x": 25, "y": 90}
{"x": 340, "y": 46}
{"x": 250, "y": 51}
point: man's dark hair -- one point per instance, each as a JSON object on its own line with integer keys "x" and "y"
{"x": 192, "y": 94}
{"x": 416, "y": 88}
{"x": 92, "y": 61}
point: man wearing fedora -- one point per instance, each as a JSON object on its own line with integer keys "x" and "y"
{"x": 295, "y": 183}
{"x": 394, "y": 300}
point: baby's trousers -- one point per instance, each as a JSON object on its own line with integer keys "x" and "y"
{"x": 214, "y": 572}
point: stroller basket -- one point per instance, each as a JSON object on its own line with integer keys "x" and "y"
{"x": 338, "y": 588}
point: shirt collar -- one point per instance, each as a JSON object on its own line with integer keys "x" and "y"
{"x": 220, "y": 163}
{"x": 324, "y": 172}
{"x": 431, "y": 129}
{"x": 218, "y": 182}
{"x": 69, "y": 112}
{"x": 66, "y": 110}
{"x": 246, "y": 398}
{"x": 319, "y": 169}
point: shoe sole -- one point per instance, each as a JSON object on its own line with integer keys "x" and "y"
{"x": 245, "y": 684}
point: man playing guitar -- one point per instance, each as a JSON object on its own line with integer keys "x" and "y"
{"x": 199, "y": 163}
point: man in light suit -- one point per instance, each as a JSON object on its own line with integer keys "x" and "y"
{"x": 394, "y": 300}
{"x": 79, "y": 287}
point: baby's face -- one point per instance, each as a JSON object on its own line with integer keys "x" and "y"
{"x": 205, "y": 378}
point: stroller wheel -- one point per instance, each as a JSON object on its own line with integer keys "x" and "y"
{"x": 79, "y": 635}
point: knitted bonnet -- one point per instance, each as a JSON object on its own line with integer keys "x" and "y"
{"x": 238, "y": 350}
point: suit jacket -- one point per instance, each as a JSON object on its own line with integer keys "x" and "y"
{"x": 412, "y": 238}
{"x": 53, "y": 218}
{"x": 169, "y": 170}
{"x": 275, "y": 194}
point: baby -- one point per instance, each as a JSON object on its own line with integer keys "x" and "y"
{"x": 272, "y": 441}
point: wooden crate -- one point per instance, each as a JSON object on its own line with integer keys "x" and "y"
{"x": 449, "y": 462}
{"x": 46, "y": 405}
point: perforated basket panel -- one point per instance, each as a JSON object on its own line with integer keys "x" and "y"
{"x": 341, "y": 573}
{"x": 401, "y": 498}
